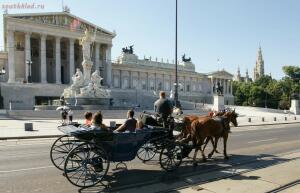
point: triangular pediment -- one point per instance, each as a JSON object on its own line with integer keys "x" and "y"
{"x": 62, "y": 19}
{"x": 221, "y": 73}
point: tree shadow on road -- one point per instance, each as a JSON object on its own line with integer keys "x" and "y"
{"x": 211, "y": 170}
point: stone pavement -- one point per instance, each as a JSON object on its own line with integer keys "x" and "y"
{"x": 274, "y": 178}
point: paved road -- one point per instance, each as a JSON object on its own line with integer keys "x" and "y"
{"x": 25, "y": 165}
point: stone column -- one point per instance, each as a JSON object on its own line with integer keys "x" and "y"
{"x": 184, "y": 84}
{"x": 212, "y": 85}
{"x": 163, "y": 82}
{"x": 57, "y": 61}
{"x": 155, "y": 87}
{"x": 222, "y": 83}
{"x": 228, "y": 84}
{"x": 130, "y": 81}
{"x": 43, "y": 59}
{"x": 27, "y": 55}
{"x": 11, "y": 56}
{"x": 97, "y": 60}
{"x": 147, "y": 81}
{"x": 108, "y": 65}
{"x": 225, "y": 86}
{"x": 231, "y": 87}
{"x": 139, "y": 80}
{"x": 120, "y": 79}
{"x": 71, "y": 59}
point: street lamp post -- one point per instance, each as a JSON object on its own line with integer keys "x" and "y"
{"x": 176, "y": 78}
{"x": 29, "y": 63}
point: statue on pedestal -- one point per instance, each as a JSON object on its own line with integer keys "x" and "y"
{"x": 219, "y": 89}
{"x": 87, "y": 87}
{"x": 86, "y": 42}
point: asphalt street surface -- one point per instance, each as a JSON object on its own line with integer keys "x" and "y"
{"x": 25, "y": 165}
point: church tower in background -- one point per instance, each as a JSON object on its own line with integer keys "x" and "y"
{"x": 259, "y": 66}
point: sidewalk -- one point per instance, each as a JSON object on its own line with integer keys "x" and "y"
{"x": 14, "y": 129}
{"x": 262, "y": 180}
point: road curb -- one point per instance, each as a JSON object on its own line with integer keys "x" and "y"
{"x": 269, "y": 124}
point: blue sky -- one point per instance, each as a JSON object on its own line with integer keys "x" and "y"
{"x": 207, "y": 29}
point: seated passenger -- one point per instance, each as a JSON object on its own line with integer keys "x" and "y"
{"x": 130, "y": 123}
{"x": 88, "y": 118}
{"x": 97, "y": 122}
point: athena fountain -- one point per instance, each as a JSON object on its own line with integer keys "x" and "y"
{"x": 87, "y": 90}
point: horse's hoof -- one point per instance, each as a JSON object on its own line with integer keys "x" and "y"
{"x": 226, "y": 158}
{"x": 209, "y": 155}
{"x": 195, "y": 164}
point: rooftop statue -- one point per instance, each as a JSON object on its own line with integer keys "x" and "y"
{"x": 186, "y": 59}
{"x": 128, "y": 50}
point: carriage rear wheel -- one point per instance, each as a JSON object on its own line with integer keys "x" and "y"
{"x": 60, "y": 149}
{"x": 146, "y": 151}
{"x": 170, "y": 156}
{"x": 86, "y": 165}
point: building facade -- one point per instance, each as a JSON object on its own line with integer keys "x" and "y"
{"x": 42, "y": 51}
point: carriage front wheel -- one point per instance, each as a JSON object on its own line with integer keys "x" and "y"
{"x": 170, "y": 156}
{"x": 60, "y": 149}
{"x": 86, "y": 165}
{"x": 146, "y": 151}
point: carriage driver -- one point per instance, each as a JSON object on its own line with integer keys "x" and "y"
{"x": 163, "y": 107}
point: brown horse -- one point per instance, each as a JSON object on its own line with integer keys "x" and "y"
{"x": 208, "y": 127}
{"x": 187, "y": 120}
{"x": 205, "y": 128}
{"x": 232, "y": 116}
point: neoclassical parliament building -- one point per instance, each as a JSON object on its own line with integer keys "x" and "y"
{"x": 42, "y": 52}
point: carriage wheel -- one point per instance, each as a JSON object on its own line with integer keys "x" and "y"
{"x": 60, "y": 149}
{"x": 86, "y": 165}
{"x": 170, "y": 156}
{"x": 146, "y": 152}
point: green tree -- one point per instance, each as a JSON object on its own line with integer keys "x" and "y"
{"x": 292, "y": 72}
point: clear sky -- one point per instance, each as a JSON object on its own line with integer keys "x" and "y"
{"x": 207, "y": 29}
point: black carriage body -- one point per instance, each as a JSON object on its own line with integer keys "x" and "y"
{"x": 119, "y": 146}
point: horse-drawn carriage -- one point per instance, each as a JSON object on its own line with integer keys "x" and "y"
{"x": 85, "y": 155}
